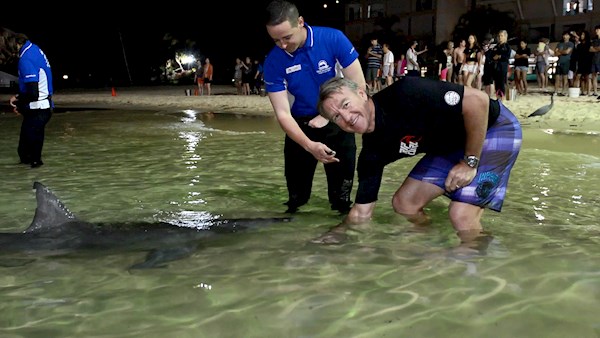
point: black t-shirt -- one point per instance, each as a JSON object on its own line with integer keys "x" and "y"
{"x": 522, "y": 62}
{"x": 413, "y": 115}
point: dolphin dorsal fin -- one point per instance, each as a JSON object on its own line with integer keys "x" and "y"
{"x": 50, "y": 211}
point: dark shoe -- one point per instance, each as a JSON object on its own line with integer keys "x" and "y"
{"x": 292, "y": 207}
{"x": 291, "y": 210}
{"x": 598, "y": 98}
{"x": 36, "y": 164}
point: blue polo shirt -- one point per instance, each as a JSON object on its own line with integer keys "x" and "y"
{"x": 35, "y": 67}
{"x": 303, "y": 71}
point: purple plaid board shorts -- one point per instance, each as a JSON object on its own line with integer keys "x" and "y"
{"x": 500, "y": 150}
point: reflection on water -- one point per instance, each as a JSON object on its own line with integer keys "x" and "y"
{"x": 538, "y": 276}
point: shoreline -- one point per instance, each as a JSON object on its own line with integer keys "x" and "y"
{"x": 573, "y": 114}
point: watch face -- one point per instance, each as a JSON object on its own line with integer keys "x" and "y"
{"x": 472, "y": 161}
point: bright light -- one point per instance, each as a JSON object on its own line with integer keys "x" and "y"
{"x": 324, "y": 5}
{"x": 65, "y": 77}
{"x": 188, "y": 59}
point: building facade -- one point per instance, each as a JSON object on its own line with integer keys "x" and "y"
{"x": 436, "y": 19}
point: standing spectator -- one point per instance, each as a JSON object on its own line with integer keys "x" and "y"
{"x": 401, "y": 69}
{"x": 542, "y": 60}
{"x": 501, "y": 54}
{"x": 374, "y": 61}
{"x": 446, "y": 64}
{"x": 34, "y": 100}
{"x": 258, "y": 76}
{"x": 412, "y": 60}
{"x": 479, "y": 77}
{"x": 247, "y": 76}
{"x": 199, "y": 78}
{"x": 388, "y": 64}
{"x": 458, "y": 57}
{"x": 304, "y": 58}
{"x": 574, "y": 58}
{"x": 521, "y": 65}
{"x": 208, "y": 75}
{"x": 595, "y": 48}
{"x": 584, "y": 63}
{"x": 563, "y": 50}
{"x": 487, "y": 79}
{"x": 470, "y": 67}
{"x": 237, "y": 75}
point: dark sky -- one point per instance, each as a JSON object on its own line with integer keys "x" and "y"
{"x": 108, "y": 43}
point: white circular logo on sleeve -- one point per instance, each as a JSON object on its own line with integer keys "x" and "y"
{"x": 452, "y": 98}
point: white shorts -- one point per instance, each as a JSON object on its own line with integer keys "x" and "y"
{"x": 388, "y": 70}
{"x": 469, "y": 68}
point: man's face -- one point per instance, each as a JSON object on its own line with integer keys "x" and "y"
{"x": 350, "y": 111}
{"x": 566, "y": 37}
{"x": 598, "y": 33}
{"x": 287, "y": 36}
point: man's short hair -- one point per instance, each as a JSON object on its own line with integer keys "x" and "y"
{"x": 279, "y": 11}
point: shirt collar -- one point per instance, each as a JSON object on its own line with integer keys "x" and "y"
{"x": 25, "y": 47}
{"x": 310, "y": 40}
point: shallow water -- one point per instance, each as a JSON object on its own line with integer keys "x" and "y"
{"x": 539, "y": 276}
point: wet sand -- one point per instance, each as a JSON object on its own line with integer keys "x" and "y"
{"x": 578, "y": 114}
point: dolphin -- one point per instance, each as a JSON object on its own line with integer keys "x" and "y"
{"x": 56, "y": 230}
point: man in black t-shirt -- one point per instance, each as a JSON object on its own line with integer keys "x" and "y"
{"x": 470, "y": 144}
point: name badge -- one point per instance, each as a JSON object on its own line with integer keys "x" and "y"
{"x": 292, "y": 69}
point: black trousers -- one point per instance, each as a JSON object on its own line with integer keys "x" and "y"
{"x": 500, "y": 77}
{"x": 300, "y": 166}
{"x": 31, "y": 139}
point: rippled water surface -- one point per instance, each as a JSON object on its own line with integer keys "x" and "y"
{"x": 538, "y": 277}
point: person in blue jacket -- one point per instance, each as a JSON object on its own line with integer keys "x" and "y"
{"x": 34, "y": 100}
{"x": 305, "y": 57}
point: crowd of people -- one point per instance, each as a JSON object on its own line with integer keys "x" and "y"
{"x": 486, "y": 65}
{"x": 248, "y": 76}
{"x": 203, "y": 77}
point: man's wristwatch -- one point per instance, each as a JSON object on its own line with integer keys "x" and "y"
{"x": 471, "y": 160}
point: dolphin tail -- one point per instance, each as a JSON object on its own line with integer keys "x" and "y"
{"x": 50, "y": 210}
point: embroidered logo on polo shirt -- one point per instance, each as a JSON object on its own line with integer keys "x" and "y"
{"x": 323, "y": 67}
{"x": 292, "y": 69}
{"x": 452, "y": 98}
{"x": 409, "y": 145}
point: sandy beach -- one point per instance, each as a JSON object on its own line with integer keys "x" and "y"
{"x": 576, "y": 114}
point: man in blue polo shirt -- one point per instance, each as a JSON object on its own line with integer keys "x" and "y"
{"x": 304, "y": 58}
{"x": 34, "y": 101}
